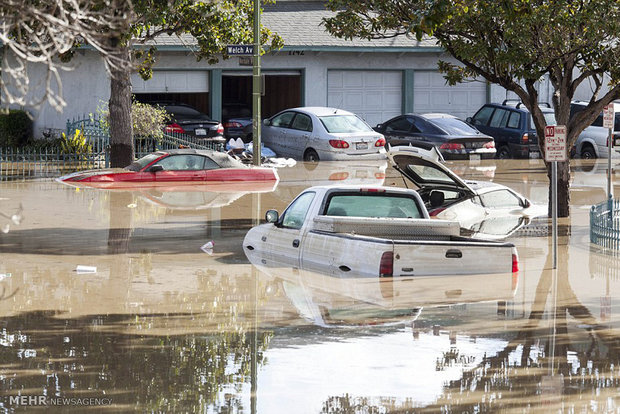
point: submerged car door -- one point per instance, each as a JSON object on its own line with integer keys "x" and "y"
{"x": 299, "y": 134}
{"x": 285, "y": 237}
{"x": 276, "y": 133}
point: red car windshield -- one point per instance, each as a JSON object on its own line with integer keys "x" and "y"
{"x": 143, "y": 162}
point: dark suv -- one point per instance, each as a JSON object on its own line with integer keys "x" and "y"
{"x": 512, "y": 127}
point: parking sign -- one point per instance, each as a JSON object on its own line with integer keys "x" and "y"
{"x": 555, "y": 143}
{"x": 608, "y": 116}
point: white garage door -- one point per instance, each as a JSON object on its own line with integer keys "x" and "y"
{"x": 375, "y": 96}
{"x": 171, "y": 81}
{"x": 431, "y": 94}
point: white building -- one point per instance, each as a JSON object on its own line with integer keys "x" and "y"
{"x": 376, "y": 79}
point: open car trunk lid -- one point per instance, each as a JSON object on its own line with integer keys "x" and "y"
{"x": 425, "y": 172}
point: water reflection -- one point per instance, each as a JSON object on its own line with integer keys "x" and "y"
{"x": 162, "y": 326}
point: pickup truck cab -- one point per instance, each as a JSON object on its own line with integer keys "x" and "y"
{"x": 373, "y": 231}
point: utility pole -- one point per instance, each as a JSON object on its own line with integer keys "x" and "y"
{"x": 256, "y": 88}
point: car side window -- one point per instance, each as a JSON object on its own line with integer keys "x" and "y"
{"x": 295, "y": 214}
{"x": 186, "y": 162}
{"x": 498, "y": 120}
{"x": 302, "y": 122}
{"x": 500, "y": 198}
{"x": 283, "y": 120}
{"x": 482, "y": 116}
{"x": 401, "y": 125}
{"x": 514, "y": 120}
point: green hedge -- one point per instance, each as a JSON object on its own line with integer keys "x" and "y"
{"x": 15, "y": 128}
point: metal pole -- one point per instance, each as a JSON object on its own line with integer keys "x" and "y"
{"x": 256, "y": 88}
{"x": 554, "y": 211}
{"x": 610, "y": 140}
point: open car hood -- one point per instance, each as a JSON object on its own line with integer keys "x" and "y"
{"x": 423, "y": 171}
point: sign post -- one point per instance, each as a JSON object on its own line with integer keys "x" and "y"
{"x": 555, "y": 150}
{"x": 608, "y": 122}
{"x": 256, "y": 89}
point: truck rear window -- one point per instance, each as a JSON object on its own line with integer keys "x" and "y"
{"x": 372, "y": 205}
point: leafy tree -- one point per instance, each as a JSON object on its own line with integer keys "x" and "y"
{"x": 212, "y": 24}
{"x": 512, "y": 43}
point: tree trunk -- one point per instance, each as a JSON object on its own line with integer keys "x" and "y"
{"x": 121, "y": 131}
{"x": 563, "y": 188}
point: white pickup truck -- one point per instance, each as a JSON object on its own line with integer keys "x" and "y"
{"x": 361, "y": 231}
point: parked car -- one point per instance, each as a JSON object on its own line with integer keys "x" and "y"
{"x": 512, "y": 127}
{"x": 454, "y": 138}
{"x": 186, "y": 119}
{"x": 483, "y": 209}
{"x": 320, "y": 133}
{"x": 594, "y": 143}
{"x": 163, "y": 167}
{"x": 235, "y": 117}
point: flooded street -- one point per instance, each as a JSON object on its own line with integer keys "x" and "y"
{"x": 118, "y": 300}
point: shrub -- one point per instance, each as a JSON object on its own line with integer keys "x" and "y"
{"x": 75, "y": 144}
{"x": 15, "y": 128}
{"x": 147, "y": 120}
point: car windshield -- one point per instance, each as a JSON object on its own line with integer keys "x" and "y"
{"x": 335, "y": 124}
{"x": 142, "y": 162}
{"x": 454, "y": 126}
{"x": 372, "y": 205}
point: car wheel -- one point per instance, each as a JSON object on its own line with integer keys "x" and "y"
{"x": 587, "y": 153}
{"x": 311, "y": 155}
{"x": 503, "y": 153}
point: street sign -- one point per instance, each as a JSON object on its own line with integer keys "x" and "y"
{"x": 240, "y": 50}
{"x": 608, "y": 116}
{"x": 246, "y": 61}
{"x": 555, "y": 143}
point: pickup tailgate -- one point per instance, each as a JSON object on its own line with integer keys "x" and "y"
{"x": 430, "y": 258}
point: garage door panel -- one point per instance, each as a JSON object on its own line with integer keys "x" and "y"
{"x": 374, "y": 95}
{"x": 431, "y": 94}
{"x": 172, "y": 81}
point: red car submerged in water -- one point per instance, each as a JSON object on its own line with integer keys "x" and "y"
{"x": 180, "y": 165}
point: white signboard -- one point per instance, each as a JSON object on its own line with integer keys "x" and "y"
{"x": 608, "y": 116}
{"x": 555, "y": 143}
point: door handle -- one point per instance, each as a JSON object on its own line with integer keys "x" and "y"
{"x": 454, "y": 254}
{"x": 296, "y": 243}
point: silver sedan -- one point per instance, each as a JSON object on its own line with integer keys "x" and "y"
{"x": 320, "y": 133}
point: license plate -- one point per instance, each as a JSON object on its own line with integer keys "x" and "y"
{"x": 200, "y": 132}
{"x": 534, "y": 155}
{"x": 361, "y": 145}
{"x": 474, "y": 157}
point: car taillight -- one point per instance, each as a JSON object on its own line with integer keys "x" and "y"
{"x": 232, "y": 125}
{"x": 525, "y": 138}
{"x": 339, "y": 176}
{"x": 386, "y": 266}
{"x": 515, "y": 262}
{"x": 490, "y": 144}
{"x": 220, "y": 129}
{"x": 515, "y": 281}
{"x": 452, "y": 146}
{"x": 380, "y": 142}
{"x": 380, "y": 176}
{"x": 338, "y": 143}
{"x": 433, "y": 213}
{"x": 174, "y": 128}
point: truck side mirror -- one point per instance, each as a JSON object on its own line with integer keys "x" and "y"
{"x": 379, "y": 126}
{"x": 469, "y": 120}
{"x": 272, "y": 216}
{"x": 266, "y": 122}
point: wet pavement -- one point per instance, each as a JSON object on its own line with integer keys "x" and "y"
{"x": 166, "y": 323}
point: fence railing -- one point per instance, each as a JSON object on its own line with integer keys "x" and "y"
{"x": 17, "y": 163}
{"x": 605, "y": 224}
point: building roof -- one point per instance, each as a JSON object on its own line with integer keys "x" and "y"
{"x": 299, "y": 23}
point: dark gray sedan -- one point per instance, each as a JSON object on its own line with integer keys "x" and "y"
{"x": 455, "y": 139}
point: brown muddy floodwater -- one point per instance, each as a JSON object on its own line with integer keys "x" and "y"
{"x": 162, "y": 325}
